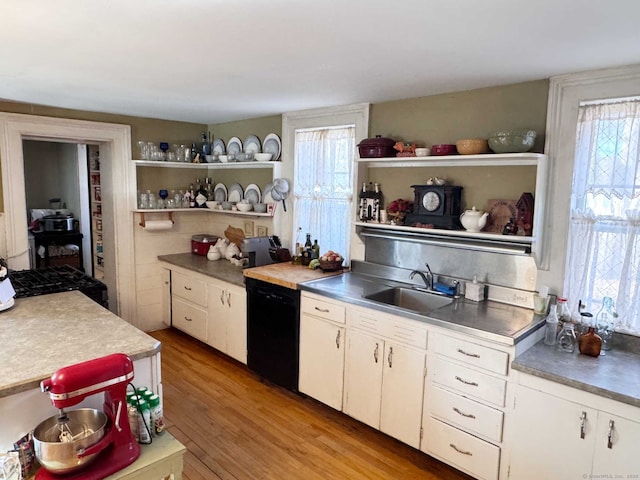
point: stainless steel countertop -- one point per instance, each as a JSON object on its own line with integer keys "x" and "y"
{"x": 493, "y": 321}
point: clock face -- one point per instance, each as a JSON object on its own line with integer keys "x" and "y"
{"x": 431, "y": 201}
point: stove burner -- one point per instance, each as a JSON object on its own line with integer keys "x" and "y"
{"x": 29, "y": 283}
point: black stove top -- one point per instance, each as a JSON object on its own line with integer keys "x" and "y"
{"x": 29, "y": 283}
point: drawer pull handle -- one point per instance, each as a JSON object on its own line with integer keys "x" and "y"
{"x": 463, "y": 452}
{"x": 222, "y": 297}
{"x": 466, "y": 415}
{"x": 188, "y": 319}
{"x": 323, "y": 310}
{"x": 583, "y": 421}
{"x": 610, "y": 435}
{"x": 338, "y": 340}
{"x": 229, "y": 299}
{"x": 375, "y": 353}
{"x": 187, "y": 288}
{"x": 474, "y": 355}
{"x": 390, "y": 357}
{"x": 473, "y": 384}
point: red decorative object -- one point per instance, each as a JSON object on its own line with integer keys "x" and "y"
{"x": 398, "y": 209}
{"x": 525, "y": 214}
{"x": 405, "y": 149}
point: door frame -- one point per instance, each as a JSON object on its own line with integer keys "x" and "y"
{"x": 115, "y": 149}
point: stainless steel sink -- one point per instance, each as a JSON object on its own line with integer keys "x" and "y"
{"x": 410, "y": 299}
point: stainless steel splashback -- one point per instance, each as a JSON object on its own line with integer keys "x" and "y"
{"x": 510, "y": 269}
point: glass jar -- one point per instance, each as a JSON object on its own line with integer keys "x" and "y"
{"x": 551, "y": 328}
{"x": 605, "y": 322}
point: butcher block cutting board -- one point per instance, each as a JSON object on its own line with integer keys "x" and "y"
{"x": 286, "y": 275}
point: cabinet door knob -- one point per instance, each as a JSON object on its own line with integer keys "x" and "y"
{"x": 583, "y": 422}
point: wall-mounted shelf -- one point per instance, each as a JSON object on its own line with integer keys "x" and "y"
{"x": 269, "y": 213}
{"x": 275, "y": 166}
{"x": 531, "y": 245}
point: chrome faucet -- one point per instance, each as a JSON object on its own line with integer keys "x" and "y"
{"x": 427, "y": 279}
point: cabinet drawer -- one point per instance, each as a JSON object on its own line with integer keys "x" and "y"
{"x": 322, "y": 309}
{"x": 465, "y": 413}
{"x": 471, "y": 353}
{"x": 186, "y": 287}
{"x": 406, "y": 331}
{"x": 189, "y": 318}
{"x": 479, "y": 458}
{"x": 468, "y": 381}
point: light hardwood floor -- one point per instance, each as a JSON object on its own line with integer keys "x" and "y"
{"x": 236, "y": 426}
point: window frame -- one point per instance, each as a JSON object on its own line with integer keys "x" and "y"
{"x": 566, "y": 93}
{"x": 357, "y": 114}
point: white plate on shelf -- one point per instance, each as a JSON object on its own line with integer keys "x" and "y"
{"x": 234, "y": 145}
{"x": 252, "y": 144}
{"x": 220, "y": 193}
{"x": 236, "y": 193}
{"x": 272, "y": 145}
{"x": 218, "y": 147}
{"x": 252, "y": 193}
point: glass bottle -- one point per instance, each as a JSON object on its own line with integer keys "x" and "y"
{"x": 316, "y": 249}
{"x": 551, "y": 328}
{"x": 567, "y": 337}
{"x": 590, "y": 343}
{"x": 605, "y": 321}
{"x": 564, "y": 314}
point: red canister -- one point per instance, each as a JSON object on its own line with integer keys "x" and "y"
{"x": 200, "y": 243}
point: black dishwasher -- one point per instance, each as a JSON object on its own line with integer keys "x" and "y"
{"x": 273, "y": 332}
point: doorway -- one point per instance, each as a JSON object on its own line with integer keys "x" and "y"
{"x": 118, "y": 194}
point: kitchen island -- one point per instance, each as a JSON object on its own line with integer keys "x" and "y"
{"x": 44, "y": 333}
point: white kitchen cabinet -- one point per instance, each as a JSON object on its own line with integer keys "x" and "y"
{"x": 557, "y": 437}
{"x": 465, "y": 403}
{"x": 166, "y": 296}
{"x": 384, "y": 378}
{"x": 402, "y": 389}
{"x": 210, "y": 310}
{"x": 363, "y": 377}
{"x": 322, "y": 346}
{"x": 227, "y": 319}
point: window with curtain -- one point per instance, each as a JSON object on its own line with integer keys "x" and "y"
{"x": 603, "y": 257}
{"x": 322, "y": 186}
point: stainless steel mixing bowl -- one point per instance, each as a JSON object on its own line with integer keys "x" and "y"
{"x": 62, "y": 457}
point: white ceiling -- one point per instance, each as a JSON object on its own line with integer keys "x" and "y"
{"x": 212, "y": 61}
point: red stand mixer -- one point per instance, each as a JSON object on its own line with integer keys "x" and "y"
{"x": 68, "y": 386}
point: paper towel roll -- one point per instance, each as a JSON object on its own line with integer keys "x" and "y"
{"x": 157, "y": 225}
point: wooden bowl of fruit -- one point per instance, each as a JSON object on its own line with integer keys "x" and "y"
{"x": 331, "y": 261}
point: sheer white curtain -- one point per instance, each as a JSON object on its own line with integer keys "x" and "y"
{"x": 603, "y": 258}
{"x": 322, "y": 186}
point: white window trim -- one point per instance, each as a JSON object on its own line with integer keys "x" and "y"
{"x": 566, "y": 92}
{"x": 357, "y": 114}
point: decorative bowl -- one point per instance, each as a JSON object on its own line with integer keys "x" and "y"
{"x": 331, "y": 266}
{"x": 212, "y": 204}
{"x": 260, "y": 207}
{"x": 443, "y": 149}
{"x": 423, "y": 152}
{"x": 244, "y": 207}
{"x": 512, "y": 141}
{"x": 226, "y": 205}
{"x": 263, "y": 157}
{"x": 472, "y": 146}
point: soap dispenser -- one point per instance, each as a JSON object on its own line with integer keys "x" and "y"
{"x": 475, "y": 290}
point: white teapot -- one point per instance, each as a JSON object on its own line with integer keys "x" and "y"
{"x": 473, "y": 220}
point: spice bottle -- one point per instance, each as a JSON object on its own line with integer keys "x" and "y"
{"x": 551, "y": 329}
{"x": 157, "y": 416}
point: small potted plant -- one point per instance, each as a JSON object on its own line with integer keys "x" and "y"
{"x": 398, "y": 209}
